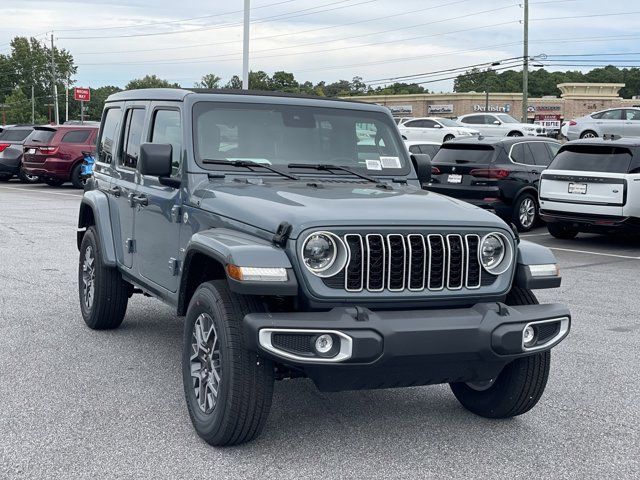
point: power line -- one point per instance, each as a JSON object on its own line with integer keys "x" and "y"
{"x": 284, "y": 16}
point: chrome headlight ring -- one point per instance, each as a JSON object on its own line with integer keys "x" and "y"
{"x": 505, "y": 259}
{"x": 337, "y": 263}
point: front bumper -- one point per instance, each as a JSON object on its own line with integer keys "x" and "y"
{"x": 404, "y": 348}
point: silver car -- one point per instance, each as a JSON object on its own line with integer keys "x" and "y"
{"x": 624, "y": 122}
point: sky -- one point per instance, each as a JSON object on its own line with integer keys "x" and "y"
{"x": 328, "y": 40}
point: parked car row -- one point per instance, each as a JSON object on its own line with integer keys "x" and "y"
{"x": 53, "y": 154}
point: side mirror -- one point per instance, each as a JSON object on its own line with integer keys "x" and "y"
{"x": 497, "y": 122}
{"x": 437, "y": 125}
{"x": 422, "y": 164}
{"x": 155, "y": 159}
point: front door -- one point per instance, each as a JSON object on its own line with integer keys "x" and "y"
{"x": 157, "y": 210}
{"x": 123, "y": 183}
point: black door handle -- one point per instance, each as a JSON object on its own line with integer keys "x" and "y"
{"x": 115, "y": 191}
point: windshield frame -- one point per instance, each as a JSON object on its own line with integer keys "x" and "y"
{"x": 366, "y": 114}
{"x": 447, "y": 122}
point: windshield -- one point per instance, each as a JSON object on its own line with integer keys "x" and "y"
{"x": 507, "y": 118}
{"x": 593, "y": 159}
{"x": 447, "y": 123}
{"x": 279, "y": 135}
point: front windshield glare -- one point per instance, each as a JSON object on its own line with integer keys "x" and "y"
{"x": 280, "y": 135}
{"x": 507, "y": 119}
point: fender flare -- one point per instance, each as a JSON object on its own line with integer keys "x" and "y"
{"x": 94, "y": 210}
{"x": 526, "y": 189}
{"x": 529, "y": 253}
{"x": 231, "y": 247}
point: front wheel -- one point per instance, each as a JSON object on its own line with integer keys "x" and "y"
{"x": 228, "y": 389}
{"x": 515, "y": 133}
{"x": 563, "y": 232}
{"x": 448, "y": 137}
{"x": 525, "y": 212}
{"x": 518, "y": 388}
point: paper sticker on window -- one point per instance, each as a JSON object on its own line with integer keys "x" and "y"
{"x": 374, "y": 165}
{"x": 390, "y": 162}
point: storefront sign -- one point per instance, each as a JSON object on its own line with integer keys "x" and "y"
{"x": 543, "y": 108}
{"x": 401, "y": 109}
{"x": 440, "y": 108}
{"x": 506, "y": 108}
{"x": 549, "y": 121}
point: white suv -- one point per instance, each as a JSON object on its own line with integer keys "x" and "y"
{"x": 434, "y": 129}
{"x": 500, "y": 125}
{"x": 592, "y": 186}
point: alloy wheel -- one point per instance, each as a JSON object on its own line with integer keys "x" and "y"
{"x": 527, "y": 212}
{"x": 589, "y": 135}
{"x": 88, "y": 277}
{"x": 206, "y": 371}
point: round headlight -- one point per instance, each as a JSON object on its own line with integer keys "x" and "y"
{"x": 495, "y": 253}
{"x": 319, "y": 252}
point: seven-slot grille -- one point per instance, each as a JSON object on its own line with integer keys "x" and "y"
{"x": 414, "y": 262}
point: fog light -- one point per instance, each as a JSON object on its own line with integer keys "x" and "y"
{"x": 323, "y": 344}
{"x": 529, "y": 336}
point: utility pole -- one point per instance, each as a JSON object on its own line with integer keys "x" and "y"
{"x": 33, "y": 106}
{"x": 66, "y": 102}
{"x": 54, "y": 86}
{"x": 525, "y": 65}
{"x": 245, "y": 45}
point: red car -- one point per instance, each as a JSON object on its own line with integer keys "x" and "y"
{"x": 54, "y": 153}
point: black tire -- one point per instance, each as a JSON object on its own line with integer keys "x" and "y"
{"x": 26, "y": 178}
{"x": 76, "y": 180}
{"x": 246, "y": 380}
{"x": 588, "y": 134}
{"x": 561, "y": 231}
{"x": 54, "y": 182}
{"x": 110, "y": 292}
{"x": 515, "y": 133}
{"x": 448, "y": 137}
{"x": 525, "y": 220}
{"x": 519, "y": 386}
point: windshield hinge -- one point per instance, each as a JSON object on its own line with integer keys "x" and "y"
{"x": 282, "y": 234}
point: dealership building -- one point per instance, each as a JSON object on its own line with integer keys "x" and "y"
{"x": 576, "y": 100}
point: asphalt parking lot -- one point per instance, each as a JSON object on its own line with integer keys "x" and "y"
{"x": 75, "y": 403}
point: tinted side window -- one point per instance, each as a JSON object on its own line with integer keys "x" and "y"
{"x": 413, "y": 123}
{"x": 553, "y": 148}
{"x": 132, "y": 137}
{"x": 612, "y": 115}
{"x": 473, "y": 119}
{"x": 110, "y": 121}
{"x": 540, "y": 153}
{"x": 633, "y": 115}
{"x": 428, "y": 124}
{"x": 520, "y": 153}
{"x": 167, "y": 129}
{"x": 14, "y": 135}
{"x": 414, "y": 149}
{"x": 430, "y": 150}
{"x": 76, "y": 136}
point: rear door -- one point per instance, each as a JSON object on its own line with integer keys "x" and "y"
{"x": 588, "y": 179}
{"x": 415, "y": 130}
{"x": 465, "y": 171}
{"x": 612, "y": 123}
{"x": 632, "y": 123}
{"x": 541, "y": 157}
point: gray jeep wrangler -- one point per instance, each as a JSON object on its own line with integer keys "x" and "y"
{"x": 293, "y": 235}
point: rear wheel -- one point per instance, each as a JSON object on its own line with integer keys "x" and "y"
{"x": 589, "y": 134}
{"x": 563, "y": 232}
{"x": 54, "y": 182}
{"x": 228, "y": 388}
{"x": 448, "y": 137}
{"x": 76, "y": 178}
{"x": 518, "y": 388}
{"x": 27, "y": 178}
{"x": 525, "y": 212}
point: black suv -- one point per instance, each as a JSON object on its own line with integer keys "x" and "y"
{"x": 500, "y": 174}
{"x": 297, "y": 248}
{"x": 11, "y": 152}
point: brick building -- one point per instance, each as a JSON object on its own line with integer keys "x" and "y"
{"x": 576, "y": 100}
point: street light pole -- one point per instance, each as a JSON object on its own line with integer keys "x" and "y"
{"x": 54, "y": 85}
{"x": 525, "y": 65}
{"x": 245, "y": 46}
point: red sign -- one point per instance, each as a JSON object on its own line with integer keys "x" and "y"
{"x": 82, "y": 94}
{"x": 552, "y": 121}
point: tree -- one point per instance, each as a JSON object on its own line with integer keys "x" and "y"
{"x": 398, "y": 88}
{"x": 234, "y": 83}
{"x": 210, "y": 81}
{"x": 150, "y": 81}
{"x": 98, "y": 97}
{"x": 284, "y": 82}
{"x": 18, "y": 107}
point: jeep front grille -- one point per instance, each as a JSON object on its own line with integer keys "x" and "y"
{"x": 414, "y": 262}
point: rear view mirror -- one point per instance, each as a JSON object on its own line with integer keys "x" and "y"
{"x": 422, "y": 164}
{"x": 155, "y": 159}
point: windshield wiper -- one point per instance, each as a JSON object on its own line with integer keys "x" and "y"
{"x": 329, "y": 167}
{"x": 249, "y": 165}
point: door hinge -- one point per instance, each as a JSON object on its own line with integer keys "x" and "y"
{"x": 174, "y": 266}
{"x": 176, "y": 214}
{"x": 130, "y": 244}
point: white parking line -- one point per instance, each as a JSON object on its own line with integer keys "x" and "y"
{"x": 595, "y": 253}
{"x": 29, "y": 190}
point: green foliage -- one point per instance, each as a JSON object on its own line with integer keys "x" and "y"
{"x": 542, "y": 82}
{"x": 98, "y": 97}
{"x": 210, "y": 81}
{"x": 150, "y": 81}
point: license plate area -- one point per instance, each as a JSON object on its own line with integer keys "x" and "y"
{"x": 454, "y": 178}
{"x": 578, "y": 188}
